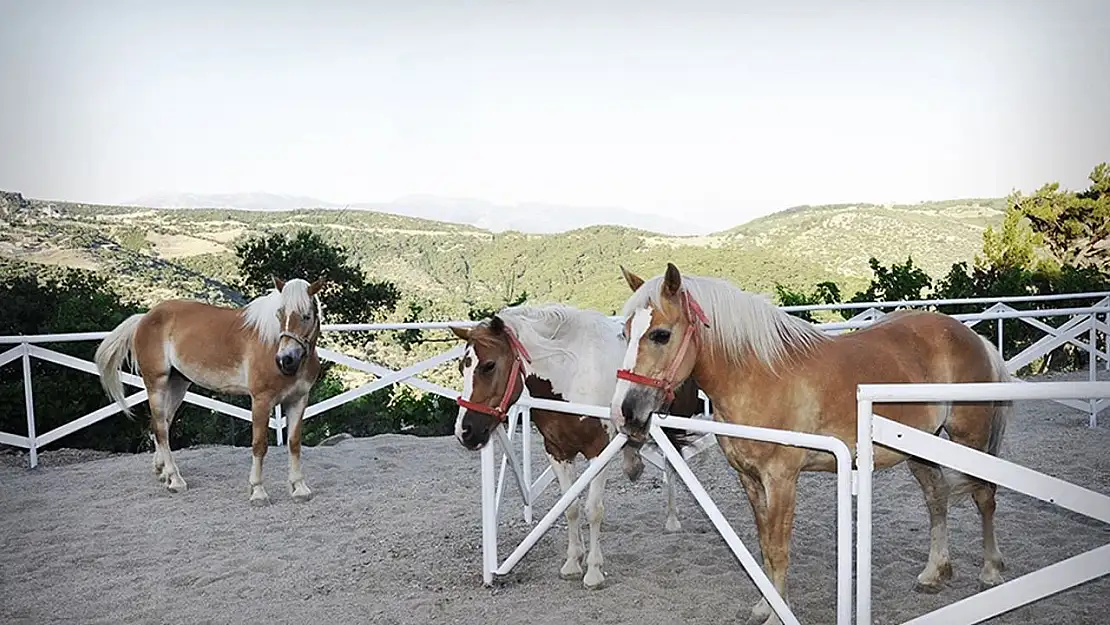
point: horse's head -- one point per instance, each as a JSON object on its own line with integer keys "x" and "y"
{"x": 493, "y": 378}
{"x": 300, "y": 322}
{"x": 662, "y": 329}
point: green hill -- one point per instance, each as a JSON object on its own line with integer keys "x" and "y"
{"x": 156, "y": 253}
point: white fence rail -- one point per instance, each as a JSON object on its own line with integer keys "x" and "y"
{"x": 1085, "y": 328}
{"x": 492, "y": 566}
{"x": 874, "y": 429}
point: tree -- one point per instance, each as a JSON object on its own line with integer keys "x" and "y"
{"x": 1010, "y": 247}
{"x": 823, "y": 293}
{"x": 348, "y": 297}
{"x": 57, "y": 301}
{"x": 1075, "y": 227}
{"x": 898, "y": 283}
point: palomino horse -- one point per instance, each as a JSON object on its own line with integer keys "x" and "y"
{"x": 266, "y": 350}
{"x": 563, "y": 354}
{"x": 762, "y": 367}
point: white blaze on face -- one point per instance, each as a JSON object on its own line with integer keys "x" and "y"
{"x": 468, "y": 386}
{"x": 641, "y": 320}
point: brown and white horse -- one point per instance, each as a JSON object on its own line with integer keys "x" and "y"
{"x": 266, "y": 350}
{"x": 562, "y": 354}
{"x": 762, "y": 367}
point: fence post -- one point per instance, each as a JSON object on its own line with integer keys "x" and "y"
{"x": 526, "y": 459}
{"x": 865, "y": 463}
{"x": 1000, "y": 343}
{"x": 29, "y": 401}
{"x": 489, "y": 516}
{"x": 279, "y": 425}
{"x": 1092, "y": 366}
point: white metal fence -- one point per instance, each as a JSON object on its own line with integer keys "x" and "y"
{"x": 874, "y": 429}
{"x": 1085, "y": 327}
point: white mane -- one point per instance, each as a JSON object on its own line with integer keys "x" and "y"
{"x": 263, "y": 313}
{"x": 578, "y": 351}
{"x": 738, "y": 320}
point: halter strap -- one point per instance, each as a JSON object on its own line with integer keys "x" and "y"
{"x": 668, "y": 382}
{"x": 501, "y": 411}
{"x": 299, "y": 340}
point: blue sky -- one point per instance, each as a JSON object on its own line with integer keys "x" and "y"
{"x": 718, "y": 112}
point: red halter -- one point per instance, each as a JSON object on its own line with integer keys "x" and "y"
{"x": 668, "y": 381}
{"x": 501, "y": 411}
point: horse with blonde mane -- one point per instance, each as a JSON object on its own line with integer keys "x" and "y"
{"x": 561, "y": 354}
{"x": 266, "y": 350}
{"x": 763, "y": 367}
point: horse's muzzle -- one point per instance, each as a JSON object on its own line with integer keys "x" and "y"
{"x": 635, "y": 412}
{"x": 288, "y": 363}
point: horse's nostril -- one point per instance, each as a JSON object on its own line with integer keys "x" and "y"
{"x": 628, "y": 408}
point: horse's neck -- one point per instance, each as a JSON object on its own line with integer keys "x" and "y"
{"x": 733, "y": 387}
{"x": 584, "y": 372}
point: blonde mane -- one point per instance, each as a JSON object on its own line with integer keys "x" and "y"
{"x": 738, "y": 321}
{"x": 570, "y": 347}
{"x": 264, "y": 313}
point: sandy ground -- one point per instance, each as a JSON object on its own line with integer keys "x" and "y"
{"x": 393, "y": 536}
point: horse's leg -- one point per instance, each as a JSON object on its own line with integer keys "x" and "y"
{"x": 938, "y": 570}
{"x": 672, "y": 524}
{"x": 992, "y": 559}
{"x": 165, "y": 391}
{"x": 632, "y": 463}
{"x": 595, "y": 513}
{"x": 965, "y": 426}
{"x": 780, "y": 492}
{"x": 572, "y": 568}
{"x": 294, "y": 411}
{"x": 758, "y": 500}
{"x": 261, "y": 407}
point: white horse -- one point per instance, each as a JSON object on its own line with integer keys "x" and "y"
{"x": 564, "y": 354}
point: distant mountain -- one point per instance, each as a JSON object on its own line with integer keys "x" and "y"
{"x": 153, "y": 253}
{"x": 237, "y": 201}
{"x": 531, "y": 218}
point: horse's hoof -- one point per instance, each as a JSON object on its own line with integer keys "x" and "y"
{"x": 928, "y": 589}
{"x": 177, "y": 485}
{"x": 302, "y": 494}
{"x": 672, "y": 525}
{"x": 988, "y": 580}
{"x": 259, "y": 496}
{"x": 593, "y": 580}
{"x": 760, "y": 611}
{"x": 571, "y": 570}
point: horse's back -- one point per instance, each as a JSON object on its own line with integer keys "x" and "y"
{"x": 194, "y": 335}
{"x": 911, "y": 346}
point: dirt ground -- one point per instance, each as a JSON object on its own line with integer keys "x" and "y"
{"x": 393, "y": 536}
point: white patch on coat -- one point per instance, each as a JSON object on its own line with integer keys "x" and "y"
{"x": 641, "y": 321}
{"x": 468, "y": 386}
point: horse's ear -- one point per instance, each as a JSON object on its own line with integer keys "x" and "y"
{"x": 317, "y": 286}
{"x": 634, "y": 281}
{"x": 496, "y": 325}
{"x": 672, "y": 281}
{"x": 462, "y": 333}
{"x": 279, "y": 284}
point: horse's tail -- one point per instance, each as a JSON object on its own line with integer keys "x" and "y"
{"x": 1003, "y": 409}
{"x": 960, "y": 484}
{"x": 116, "y": 349}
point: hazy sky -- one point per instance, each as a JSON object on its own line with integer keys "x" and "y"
{"x": 713, "y": 111}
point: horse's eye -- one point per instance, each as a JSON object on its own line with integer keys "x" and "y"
{"x": 306, "y": 317}
{"x": 487, "y": 366}
{"x": 659, "y": 336}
